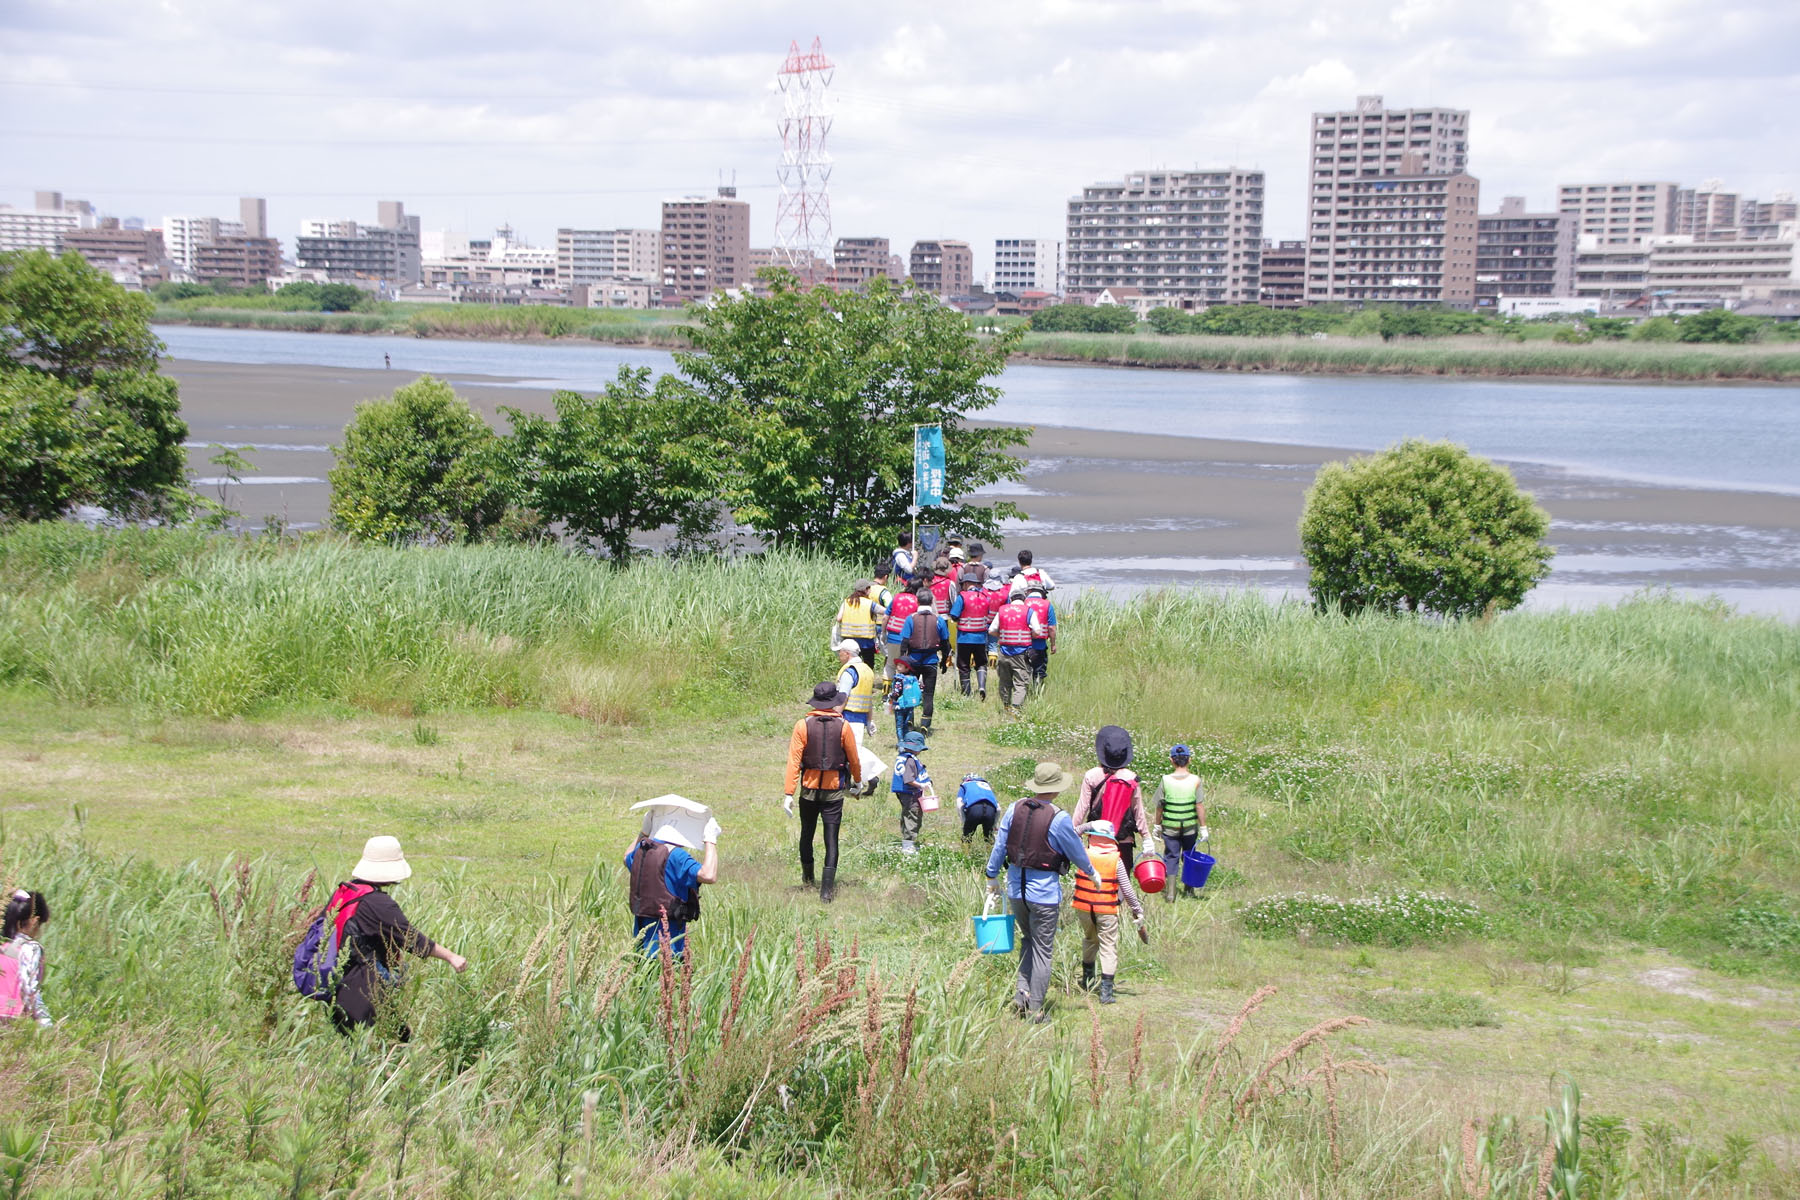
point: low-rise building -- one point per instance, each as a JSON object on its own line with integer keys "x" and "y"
{"x": 42, "y": 226}
{"x": 347, "y": 251}
{"x": 943, "y": 267}
{"x": 1610, "y": 276}
{"x": 1520, "y": 253}
{"x": 616, "y": 293}
{"x": 1283, "y": 275}
{"x": 110, "y": 247}
{"x": 1684, "y": 273}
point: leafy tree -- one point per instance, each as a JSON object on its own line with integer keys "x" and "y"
{"x": 629, "y": 460}
{"x": 827, "y": 389}
{"x": 84, "y": 416}
{"x": 1422, "y": 527}
{"x": 1084, "y": 318}
{"x": 1718, "y": 325}
{"x": 419, "y": 464}
{"x": 1611, "y": 329}
{"x": 1656, "y": 329}
{"x": 1169, "y": 321}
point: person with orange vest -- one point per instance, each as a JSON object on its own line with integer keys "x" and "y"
{"x": 823, "y": 762}
{"x": 1015, "y": 626}
{"x": 970, "y": 613}
{"x": 1097, "y": 896}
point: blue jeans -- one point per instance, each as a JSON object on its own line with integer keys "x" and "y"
{"x": 1177, "y": 840}
{"x": 903, "y": 723}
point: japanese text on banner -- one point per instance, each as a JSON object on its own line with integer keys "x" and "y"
{"x": 928, "y": 465}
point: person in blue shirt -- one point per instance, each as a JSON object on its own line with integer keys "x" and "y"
{"x": 1036, "y": 842}
{"x": 903, "y": 700}
{"x": 924, "y": 637}
{"x": 664, "y": 877}
{"x": 979, "y": 806}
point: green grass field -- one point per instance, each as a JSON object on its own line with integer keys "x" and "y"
{"x": 188, "y": 727}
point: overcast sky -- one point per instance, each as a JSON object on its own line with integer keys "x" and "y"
{"x": 973, "y": 120}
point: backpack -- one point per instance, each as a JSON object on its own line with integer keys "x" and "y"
{"x": 12, "y": 988}
{"x": 1118, "y": 798}
{"x": 316, "y": 958}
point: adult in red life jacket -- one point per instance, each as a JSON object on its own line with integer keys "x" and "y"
{"x": 1111, "y": 792}
{"x": 903, "y": 605}
{"x": 1041, "y": 647}
{"x": 1028, "y": 573}
{"x": 926, "y": 636}
{"x": 374, "y": 933}
{"x": 664, "y": 876}
{"x": 822, "y": 762}
{"x": 970, "y": 613}
{"x": 1014, "y": 626}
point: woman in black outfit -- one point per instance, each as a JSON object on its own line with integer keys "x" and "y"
{"x": 375, "y": 935}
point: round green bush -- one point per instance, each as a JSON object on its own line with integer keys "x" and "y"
{"x": 1422, "y": 527}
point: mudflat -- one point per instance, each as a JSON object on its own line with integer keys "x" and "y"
{"x": 1105, "y": 508}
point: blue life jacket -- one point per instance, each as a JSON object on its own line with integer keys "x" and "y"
{"x": 900, "y": 786}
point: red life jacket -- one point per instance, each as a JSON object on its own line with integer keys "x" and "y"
{"x": 905, "y": 605}
{"x": 1015, "y": 624}
{"x": 940, "y": 591}
{"x": 1118, "y": 804}
{"x": 974, "y": 618}
{"x": 1040, "y": 608}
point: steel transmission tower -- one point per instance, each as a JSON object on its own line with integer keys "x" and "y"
{"x": 803, "y": 214}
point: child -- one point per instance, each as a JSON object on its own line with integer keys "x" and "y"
{"x": 1181, "y": 813}
{"x": 911, "y": 782}
{"x": 26, "y": 915}
{"x": 979, "y": 804}
{"x": 904, "y": 698}
{"x": 1097, "y": 906}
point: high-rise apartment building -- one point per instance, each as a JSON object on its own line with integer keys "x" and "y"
{"x": 1519, "y": 253}
{"x": 1706, "y": 210}
{"x": 1283, "y": 275}
{"x": 705, "y": 245}
{"x": 183, "y": 236}
{"x": 1185, "y": 239}
{"x": 1618, "y": 214}
{"x": 857, "y": 260}
{"x": 239, "y": 259}
{"x": 944, "y": 267}
{"x": 253, "y": 215}
{"x": 344, "y": 250}
{"x": 585, "y": 256}
{"x": 1028, "y": 265}
{"x": 1392, "y": 208}
{"x": 1760, "y": 219}
{"x": 42, "y": 226}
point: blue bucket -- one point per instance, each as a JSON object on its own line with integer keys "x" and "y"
{"x": 1195, "y": 867}
{"x": 993, "y": 932}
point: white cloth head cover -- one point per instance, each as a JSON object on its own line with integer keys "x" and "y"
{"x": 382, "y": 861}
{"x": 676, "y": 820}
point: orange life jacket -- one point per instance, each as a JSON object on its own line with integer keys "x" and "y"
{"x": 1099, "y": 895}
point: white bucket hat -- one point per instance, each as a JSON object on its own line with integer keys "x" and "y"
{"x": 1102, "y": 829}
{"x": 675, "y": 819}
{"x": 382, "y": 861}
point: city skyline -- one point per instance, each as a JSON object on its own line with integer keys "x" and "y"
{"x": 972, "y": 125}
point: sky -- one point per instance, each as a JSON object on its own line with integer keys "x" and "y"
{"x": 972, "y": 120}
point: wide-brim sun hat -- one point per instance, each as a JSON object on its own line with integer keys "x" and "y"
{"x": 675, "y": 819}
{"x": 1048, "y": 777}
{"x": 826, "y": 695}
{"x": 382, "y": 861}
{"x": 914, "y": 741}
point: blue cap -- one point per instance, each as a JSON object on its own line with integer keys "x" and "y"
{"x": 1180, "y": 750}
{"x": 915, "y": 741}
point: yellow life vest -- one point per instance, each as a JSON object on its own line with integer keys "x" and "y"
{"x": 862, "y": 692}
{"x": 856, "y": 618}
{"x": 1099, "y": 895}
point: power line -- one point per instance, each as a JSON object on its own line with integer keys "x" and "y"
{"x": 523, "y": 144}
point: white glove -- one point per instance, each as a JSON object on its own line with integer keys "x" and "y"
{"x": 1204, "y": 834}
{"x": 1156, "y": 831}
{"x": 712, "y": 831}
{"x": 787, "y": 805}
{"x": 996, "y": 885}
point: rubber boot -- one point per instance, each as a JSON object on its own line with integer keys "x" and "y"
{"x": 828, "y": 887}
{"x": 1187, "y": 892}
{"x": 1087, "y": 977}
{"x": 1168, "y": 895}
{"x": 981, "y": 682}
{"x": 1106, "y": 990}
{"x": 806, "y": 874}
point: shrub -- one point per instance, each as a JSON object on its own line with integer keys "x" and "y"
{"x": 420, "y": 464}
{"x": 1169, "y": 320}
{"x": 1656, "y": 329}
{"x": 1422, "y": 527}
{"x": 1393, "y": 919}
{"x": 1084, "y": 318}
{"x": 1718, "y": 325}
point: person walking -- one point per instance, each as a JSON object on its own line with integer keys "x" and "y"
{"x": 903, "y": 699}
{"x": 1097, "y": 907}
{"x": 856, "y": 679}
{"x": 1037, "y": 599}
{"x": 977, "y": 564}
{"x": 1112, "y": 792}
{"x": 375, "y": 932}
{"x": 664, "y": 878}
{"x": 1014, "y": 625}
{"x": 911, "y": 782}
{"x": 903, "y": 605}
{"x": 822, "y": 763}
{"x": 1029, "y": 572}
{"x": 979, "y": 805}
{"x": 925, "y": 635}
{"x": 970, "y": 613}
{"x": 1180, "y": 816}
{"x": 856, "y": 621}
{"x": 1036, "y": 842}
{"x": 22, "y": 972}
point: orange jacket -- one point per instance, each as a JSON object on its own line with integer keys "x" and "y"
{"x": 797, "y": 779}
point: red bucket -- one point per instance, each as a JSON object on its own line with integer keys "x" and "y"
{"x": 1149, "y": 872}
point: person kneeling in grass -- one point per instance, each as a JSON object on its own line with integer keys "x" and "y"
{"x": 1097, "y": 906}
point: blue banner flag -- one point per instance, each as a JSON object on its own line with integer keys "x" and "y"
{"x": 928, "y": 465}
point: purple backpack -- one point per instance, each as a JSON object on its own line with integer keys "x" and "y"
{"x": 316, "y": 958}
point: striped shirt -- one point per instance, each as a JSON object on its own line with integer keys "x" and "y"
{"x": 1178, "y": 796}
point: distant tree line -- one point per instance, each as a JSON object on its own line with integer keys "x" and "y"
{"x": 300, "y": 296}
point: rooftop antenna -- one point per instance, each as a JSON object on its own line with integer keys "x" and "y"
{"x": 803, "y": 212}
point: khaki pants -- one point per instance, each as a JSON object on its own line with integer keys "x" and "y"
{"x": 1015, "y": 678}
{"x": 1100, "y": 934}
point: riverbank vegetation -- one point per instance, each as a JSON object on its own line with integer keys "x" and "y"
{"x": 1539, "y": 846}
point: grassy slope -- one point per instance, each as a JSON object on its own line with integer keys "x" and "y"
{"x": 1611, "y": 787}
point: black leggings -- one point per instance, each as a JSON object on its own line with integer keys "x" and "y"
{"x": 827, "y": 809}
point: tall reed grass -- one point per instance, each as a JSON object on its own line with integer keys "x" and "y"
{"x": 444, "y": 320}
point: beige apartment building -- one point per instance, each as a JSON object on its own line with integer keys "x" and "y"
{"x": 857, "y": 260}
{"x": 585, "y": 256}
{"x": 1520, "y": 253}
{"x": 944, "y": 267}
{"x": 1617, "y": 214}
{"x": 1687, "y": 274}
{"x": 1180, "y": 239}
{"x": 1392, "y": 211}
{"x": 705, "y": 245}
